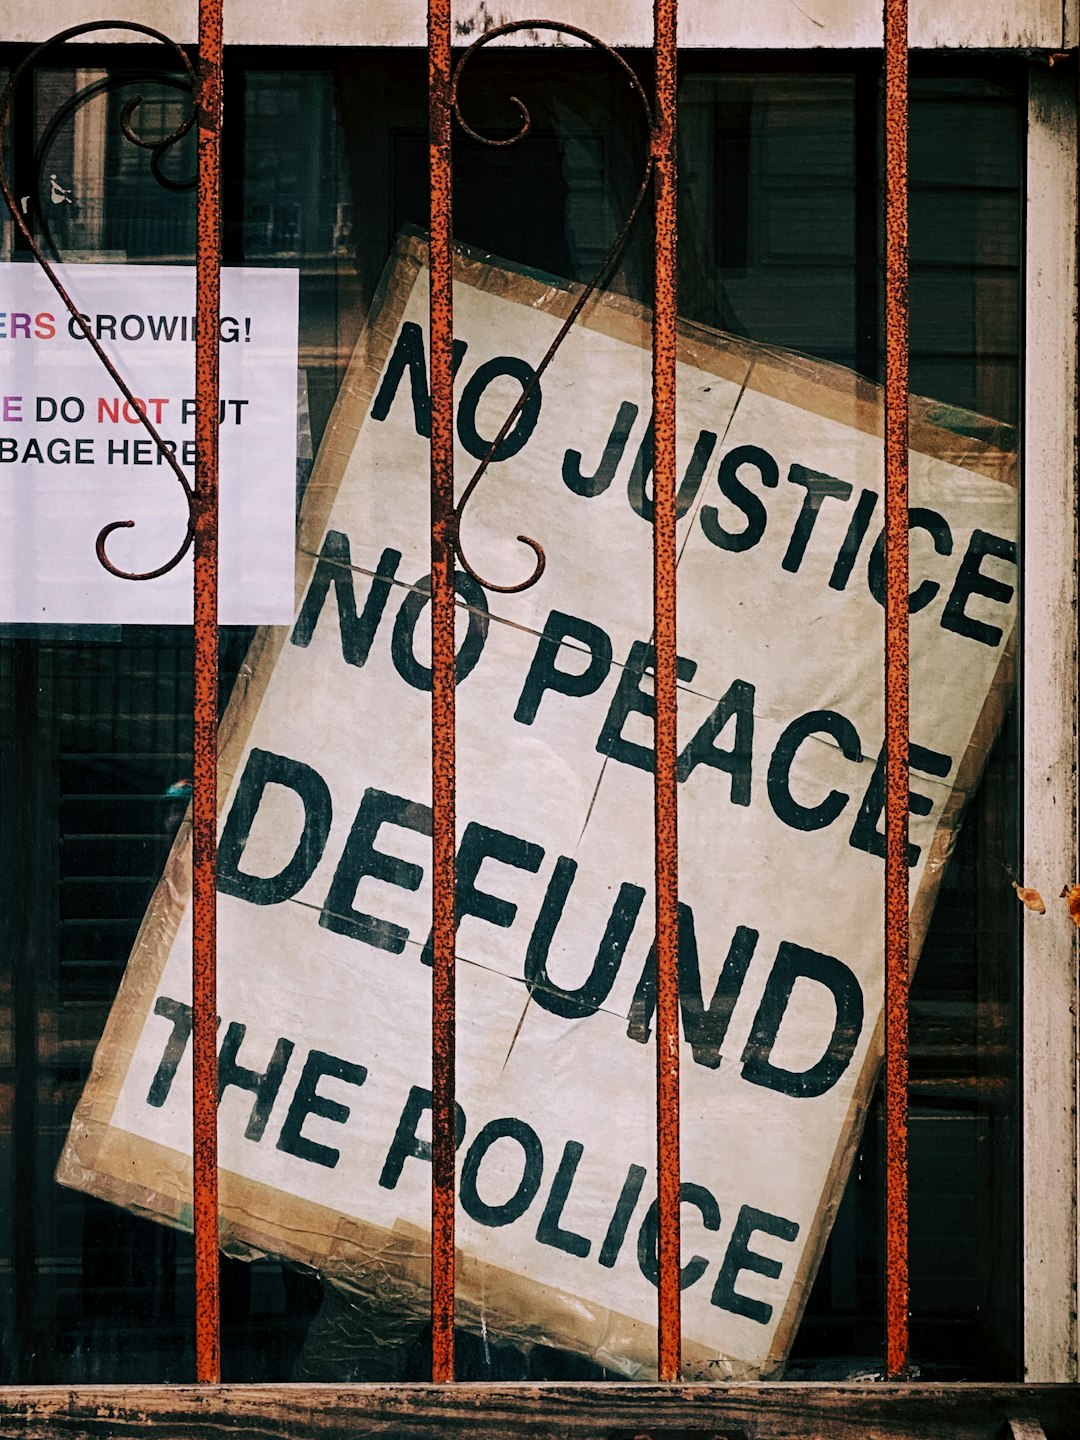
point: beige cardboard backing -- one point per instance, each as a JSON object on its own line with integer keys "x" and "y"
{"x": 390, "y": 1267}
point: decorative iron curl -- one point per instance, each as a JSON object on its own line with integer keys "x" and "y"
{"x": 96, "y": 88}
{"x": 157, "y": 146}
{"x": 602, "y": 274}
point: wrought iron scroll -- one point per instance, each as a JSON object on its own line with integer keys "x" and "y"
{"x": 446, "y": 516}
{"x": 602, "y": 274}
{"x": 201, "y": 532}
{"x": 157, "y": 148}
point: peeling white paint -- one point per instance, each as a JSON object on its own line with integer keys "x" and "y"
{"x": 1049, "y": 728}
{"x": 762, "y": 24}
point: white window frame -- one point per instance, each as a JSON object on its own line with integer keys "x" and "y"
{"x": 743, "y": 24}
{"x": 1050, "y": 722}
{"x": 1048, "y": 689}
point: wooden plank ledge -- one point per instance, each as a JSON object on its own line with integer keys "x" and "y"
{"x": 616, "y": 1411}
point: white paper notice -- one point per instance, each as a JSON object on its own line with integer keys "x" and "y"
{"x": 75, "y": 456}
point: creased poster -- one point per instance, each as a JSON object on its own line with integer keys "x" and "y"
{"x": 324, "y": 907}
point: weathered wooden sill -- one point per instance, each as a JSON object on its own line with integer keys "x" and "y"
{"x": 591, "y": 1412}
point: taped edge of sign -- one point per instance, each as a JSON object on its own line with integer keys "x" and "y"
{"x": 387, "y": 1267}
{"x": 97, "y": 1159}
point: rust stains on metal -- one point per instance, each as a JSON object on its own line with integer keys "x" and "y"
{"x": 665, "y": 311}
{"x": 659, "y": 173}
{"x": 1071, "y": 894}
{"x": 202, "y": 531}
{"x": 443, "y": 708}
{"x": 205, "y": 708}
{"x": 531, "y": 28}
{"x": 157, "y": 145}
{"x": 897, "y": 675}
{"x": 1030, "y": 898}
{"x": 446, "y": 549}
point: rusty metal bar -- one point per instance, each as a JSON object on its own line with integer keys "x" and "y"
{"x": 897, "y": 709}
{"x": 443, "y": 697}
{"x": 205, "y": 703}
{"x": 603, "y": 273}
{"x": 201, "y": 528}
{"x": 665, "y": 310}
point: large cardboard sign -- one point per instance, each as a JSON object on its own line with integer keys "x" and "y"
{"x": 75, "y": 456}
{"x": 325, "y": 851}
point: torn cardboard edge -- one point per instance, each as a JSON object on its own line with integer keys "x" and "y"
{"x": 256, "y": 1219}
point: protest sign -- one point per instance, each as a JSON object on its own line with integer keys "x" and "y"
{"x": 75, "y": 456}
{"x": 324, "y": 907}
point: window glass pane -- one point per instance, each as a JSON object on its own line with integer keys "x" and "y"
{"x": 780, "y": 240}
{"x": 96, "y": 195}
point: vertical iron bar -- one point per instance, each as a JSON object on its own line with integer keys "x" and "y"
{"x": 897, "y": 712}
{"x": 205, "y": 704}
{"x": 665, "y": 311}
{"x": 443, "y": 681}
